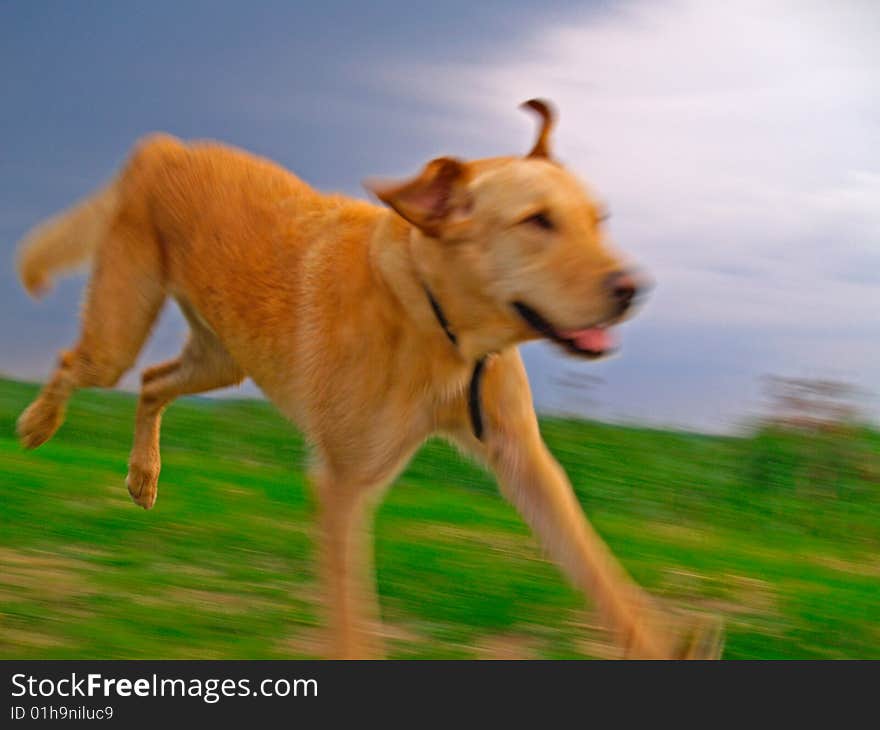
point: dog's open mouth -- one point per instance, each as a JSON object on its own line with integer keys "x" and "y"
{"x": 590, "y": 342}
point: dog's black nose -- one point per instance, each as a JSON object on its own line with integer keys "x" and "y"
{"x": 624, "y": 287}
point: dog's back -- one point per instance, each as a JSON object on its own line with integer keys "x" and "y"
{"x": 223, "y": 231}
{"x": 184, "y": 197}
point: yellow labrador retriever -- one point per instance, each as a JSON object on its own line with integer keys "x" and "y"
{"x": 370, "y": 327}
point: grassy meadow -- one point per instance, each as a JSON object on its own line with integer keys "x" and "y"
{"x": 779, "y": 532}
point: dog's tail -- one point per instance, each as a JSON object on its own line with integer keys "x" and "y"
{"x": 65, "y": 240}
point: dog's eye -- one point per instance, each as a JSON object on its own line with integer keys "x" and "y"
{"x": 541, "y": 220}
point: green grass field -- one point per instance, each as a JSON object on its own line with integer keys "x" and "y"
{"x": 779, "y": 533}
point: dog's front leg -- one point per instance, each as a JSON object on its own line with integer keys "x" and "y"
{"x": 533, "y": 481}
{"x": 538, "y": 487}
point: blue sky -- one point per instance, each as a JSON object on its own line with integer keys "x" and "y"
{"x": 736, "y": 144}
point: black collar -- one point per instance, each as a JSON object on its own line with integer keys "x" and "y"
{"x": 441, "y": 317}
{"x": 474, "y": 409}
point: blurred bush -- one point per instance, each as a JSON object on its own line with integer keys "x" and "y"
{"x": 809, "y": 449}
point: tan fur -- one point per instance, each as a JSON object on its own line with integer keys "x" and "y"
{"x": 320, "y": 299}
{"x": 65, "y": 241}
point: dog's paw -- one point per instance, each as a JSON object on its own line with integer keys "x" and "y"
{"x": 667, "y": 632}
{"x": 705, "y": 640}
{"x": 143, "y": 484}
{"x": 38, "y": 423}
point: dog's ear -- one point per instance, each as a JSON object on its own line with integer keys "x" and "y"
{"x": 544, "y": 110}
{"x": 436, "y": 197}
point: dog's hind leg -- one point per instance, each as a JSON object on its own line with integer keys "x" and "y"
{"x": 203, "y": 365}
{"x": 346, "y": 564}
{"x": 125, "y": 294}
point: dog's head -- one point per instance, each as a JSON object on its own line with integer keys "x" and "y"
{"x": 523, "y": 242}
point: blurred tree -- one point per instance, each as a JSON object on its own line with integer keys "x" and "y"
{"x": 810, "y": 437}
{"x": 811, "y": 404}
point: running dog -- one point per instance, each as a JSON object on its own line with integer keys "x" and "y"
{"x": 370, "y": 327}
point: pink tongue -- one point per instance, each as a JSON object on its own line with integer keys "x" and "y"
{"x": 595, "y": 339}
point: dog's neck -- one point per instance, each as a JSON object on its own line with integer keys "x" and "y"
{"x": 395, "y": 253}
{"x": 475, "y": 407}
{"x": 397, "y": 267}
{"x": 417, "y": 270}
